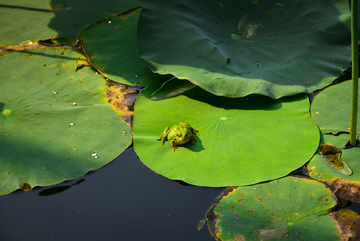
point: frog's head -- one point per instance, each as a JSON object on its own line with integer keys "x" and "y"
{"x": 183, "y": 136}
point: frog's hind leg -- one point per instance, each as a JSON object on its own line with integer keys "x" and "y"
{"x": 163, "y": 136}
{"x": 173, "y": 145}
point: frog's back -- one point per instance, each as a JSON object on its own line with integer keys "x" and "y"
{"x": 175, "y": 130}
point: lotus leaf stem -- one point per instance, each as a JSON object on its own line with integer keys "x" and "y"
{"x": 355, "y": 73}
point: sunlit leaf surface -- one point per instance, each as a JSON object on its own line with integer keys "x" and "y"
{"x": 236, "y": 48}
{"x": 55, "y": 123}
{"x": 23, "y": 20}
{"x": 290, "y": 208}
{"x": 242, "y": 140}
{"x": 330, "y": 109}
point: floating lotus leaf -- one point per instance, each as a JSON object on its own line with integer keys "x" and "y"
{"x": 55, "y": 123}
{"x": 330, "y": 108}
{"x": 290, "y": 208}
{"x": 111, "y": 49}
{"x": 345, "y": 186}
{"x": 23, "y": 21}
{"x": 241, "y": 141}
{"x": 236, "y": 48}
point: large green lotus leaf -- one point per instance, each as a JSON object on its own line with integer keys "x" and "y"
{"x": 331, "y": 108}
{"x": 242, "y": 141}
{"x": 345, "y": 186}
{"x": 290, "y": 208}
{"x": 24, "y": 20}
{"x": 55, "y": 123}
{"x": 236, "y": 48}
{"x": 111, "y": 49}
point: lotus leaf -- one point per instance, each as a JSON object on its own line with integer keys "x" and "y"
{"x": 241, "y": 141}
{"x": 330, "y": 108}
{"x": 111, "y": 49}
{"x": 55, "y": 123}
{"x": 236, "y": 48}
{"x": 290, "y": 208}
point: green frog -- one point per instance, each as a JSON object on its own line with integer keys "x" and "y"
{"x": 178, "y": 135}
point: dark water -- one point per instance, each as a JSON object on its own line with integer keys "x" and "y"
{"x": 123, "y": 200}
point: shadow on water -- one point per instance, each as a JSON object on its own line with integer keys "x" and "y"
{"x": 58, "y": 189}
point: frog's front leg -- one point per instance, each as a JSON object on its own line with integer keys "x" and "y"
{"x": 163, "y": 136}
{"x": 173, "y": 145}
{"x": 192, "y": 140}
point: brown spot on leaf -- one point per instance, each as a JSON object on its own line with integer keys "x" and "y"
{"x": 273, "y": 233}
{"x": 25, "y": 186}
{"x": 347, "y": 223}
{"x": 213, "y": 219}
{"x": 201, "y": 224}
{"x": 238, "y": 237}
{"x": 81, "y": 63}
{"x": 344, "y": 189}
{"x": 57, "y": 8}
{"x": 260, "y": 199}
{"x": 236, "y": 216}
{"x": 126, "y": 14}
{"x": 121, "y": 98}
{"x": 13, "y": 48}
{"x": 250, "y": 211}
{"x": 232, "y": 208}
{"x": 325, "y": 148}
{"x": 332, "y": 156}
{"x": 227, "y": 191}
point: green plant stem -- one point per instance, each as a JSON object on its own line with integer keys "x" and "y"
{"x": 355, "y": 73}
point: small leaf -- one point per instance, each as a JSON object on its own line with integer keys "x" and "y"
{"x": 289, "y": 208}
{"x": 330, "y": 108}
